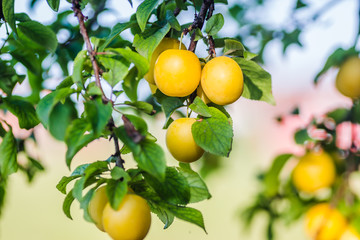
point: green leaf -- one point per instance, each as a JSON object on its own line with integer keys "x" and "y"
{"x": 221, "y": 1}
{"x": 168, "y": 104}
{"x": 339, "y": 115}
{"x": 95, "y": 169}
{"x": 2, "y": 193}
{"x": 84, "y": 204}
{"x": 214, "y": 134}
{"x": 151, "y": 159}
{"x": 54, "y": 4}
{"x": 61, "y": 186}
{"x": 200, "y": 107}
{"x": 23, "y": 110}
{"x": 147, "y": 154}
{"x": 35, "y": 82}
{"x": 78, "y": 67}
{"x": 214, "y": 24}
{"x": 60, "y": 118}
{"x": 40, "y": 34}
{"x": 336, "y": 59}
{"x": 98, "y": 114}
{"x": 9, "y": 13}
{"x": 163, "y": 214}
{"x": 8, "y": 77}
{"x": 115, "y": 31}
{"x": 78, "y": 188}
{"x": 89, "y": 177}
{"x": 181, "y": 4}
{"x": 119, "y": 173}
{"x": 79, "y": 170}
{"x": 188, "y": 214}
{"x": 301, "y": 136}
{"x": 22, "y": 17}
{"x": 142, "y": 106}
{"x": 300, "y": 4}
{"x": 142, "y": 65}
{"x": 116, "y": 69}
{"x": 291, "y": 38}
{"x": 174, "y": 189}
{"x": 233, "y": 47}
{"x": 66, "y": 83}
{"x": 47, "y": 104}
{"x": 139, "y": 124}
{"x": 8, "y": 155}
{"x": 76, "y": 137}
{"x": 143, "y": 12}
{"x": 171, "y": 19}
{"x": 130, "y": 84}
{"x": 25, "y": 56}
{"x": 355, "y": 118}
{"x": 116, "y": 191}
{"x": 123, "y": 136}
{"x": 257, "y": 82}
{"x": 221, "y": 108}
{"x": 69, "y": 199}
{"x": 146, "y": 44}
{"x": 198, "y": 188}
{"x": 271, "y": 180}
{"x": 198, "y": 35}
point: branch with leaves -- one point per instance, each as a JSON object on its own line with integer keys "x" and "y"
{"x": 105, "y": 79}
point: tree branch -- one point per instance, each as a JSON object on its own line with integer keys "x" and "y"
{"x": 1, "y": 11}
{"x": 131, "y": 131}
{"x": 206, "y": 11}
{"x": 119, "y": 161}
{"x": 178, "y": 10}
{"x": 81, "y": 18}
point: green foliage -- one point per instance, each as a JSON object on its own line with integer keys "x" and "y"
{"x": 200, "y": 107}
{"x": 8, "y": 154}
{"x": 102, "y": 89}
{"x": 214, "y": 24}
{"x": 9, "y": 14}
{"x": 143, "y": 12}
{"x": 336, "y": 59}
{"x": 214, "y": 134}
{"x": 198, "y": 188}
{"x": 23, "y": 110}
{"x": 146, "y": 42}
{"x": 40, "y": 34}
{"x": 257, "y": 82}
{"x": 54, "y": 4}
{"x": 174, "y": 189}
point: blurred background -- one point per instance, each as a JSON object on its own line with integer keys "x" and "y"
{"x": 33, "y": 211}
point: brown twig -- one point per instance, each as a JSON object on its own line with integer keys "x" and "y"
{"x": 206, "y": 11}
{"x": 212, "y": 52}
{"x": 119, "y": 161}
{"x": 1, "y": 11}
{"x": 131, "y": 131}
{"x": 178, "y": 10}
{"x": 81, "y": 18}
